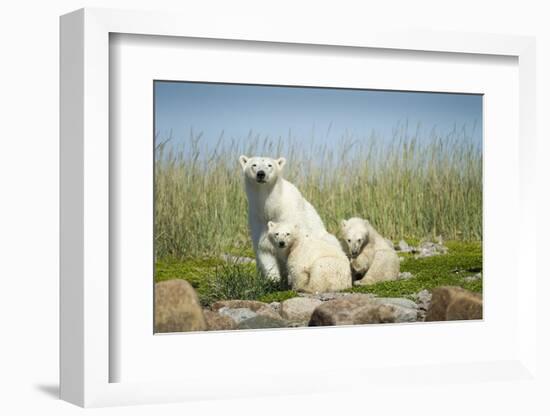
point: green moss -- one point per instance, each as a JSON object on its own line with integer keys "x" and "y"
{"x": 215, "y": 279}
{"x": 193, "y": 270}
{"x": 463, "y": 259}
{"x": 278, "y": 296}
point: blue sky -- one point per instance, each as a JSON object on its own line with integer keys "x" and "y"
{"x": 322, "y": 113}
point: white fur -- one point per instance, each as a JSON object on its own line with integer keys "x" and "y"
{"x": 372, "y": 258}
{"x": 273, "y": 198}
{"x": 313, "y": 264}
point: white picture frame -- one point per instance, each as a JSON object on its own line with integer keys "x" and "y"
{"x": 85, "y": 354}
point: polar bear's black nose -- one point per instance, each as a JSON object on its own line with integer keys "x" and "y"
{"x": 281, "y": 243}
{"x": 260, "y": 174}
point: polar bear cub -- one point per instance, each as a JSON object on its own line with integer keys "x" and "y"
{"x": 313, "y": 264}
{"x": 272, "y": 198}
{"x": 372, "y": 258}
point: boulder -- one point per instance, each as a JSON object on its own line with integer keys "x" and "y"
{"x": 360, "y": 309}
{"x": 403, "y": 310}
{"x": 473, "y": 278}
{"x": 261, "y": 322}
{"x": 239, "y": 310}
{"x": 237, "y": 314}
{"x": 324, "y": 296}
{"x": 253, "y": 305}
{"x": 423, "y": 300}
{"x": 217, "y": 322}
{"x": 299, "y": 309}
{"x": 177, "y": 307}
{"x": 404, "y": 247}
{"x": 451, "y": 303}
{"x": 429, "y": 249}
{"x": 405, "y": 276}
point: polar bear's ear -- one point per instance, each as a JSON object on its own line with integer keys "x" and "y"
{"x": 343, "y": 224}
{"x": 243, "y": 160}
{"x": 270, "y": 225}
{"x": 281, "y": 162}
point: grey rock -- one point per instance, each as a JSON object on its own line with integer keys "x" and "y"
{"x": 177, "y": 307}
{"x": 253, "y": 305}
{"x": 276, "y": 306}
{"x": 326, "y": 295}
{"x": 269, "y": 312}
{"x": 423, "y": 300}
{"x": 404, "y": 247}
{"x": 405, "y": 276}
{"x": 299, "y": 309}
{"x": 237, "y": 314}
{"x": 473, "y": 278}
{"x": 260, "y": 322}
{"x": 404, "y": 310}
{"x": 297, "y": 324}
{"x": 429, "y": 249}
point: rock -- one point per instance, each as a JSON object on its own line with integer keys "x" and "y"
{"x": 326, "y": 295}
{"x": 253, "y": 305}
{"x": 428, "y": 249}
{"x": 339, "y": 311}
{"x": 260, "y": 322}
{"x": 451, "y": 303}
{"x": 473, "y": 278}
{"x": 299, "y": 309}
{"x": 405, "y": 276}
{"x": 276, "y": 306}
{"x": 363, "y": 309}
{"x": 237, "y": 314}
{"x": 217, "y": 322}
{"x": 378, "y": 314}
{"x": 297, "y": 324}
{"x": 240, "y": 310}
{"x": 404, "y": 310}
{"x": 269, "y": 312}
{"x": 177, "y": 307}
{"x": 423, "y": 300}
{"x": 404, "y": 247}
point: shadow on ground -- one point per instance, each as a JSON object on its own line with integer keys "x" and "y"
{"x": 51, "y": 390}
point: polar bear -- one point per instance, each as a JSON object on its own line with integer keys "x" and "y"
{"x": 272, "y": 198}
{"x": 372, "y": 258}
{"x": 313, "y": 264}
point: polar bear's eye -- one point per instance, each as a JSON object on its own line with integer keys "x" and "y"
{"x": 277, "y": 234}
{"x": 270, "y": 166}
{"x": 254, "y": 165}
{"x": 287, "y": 234}
{"x": 349, "y": 240}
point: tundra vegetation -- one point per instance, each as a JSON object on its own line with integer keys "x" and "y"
{"x": 409, "y": 187}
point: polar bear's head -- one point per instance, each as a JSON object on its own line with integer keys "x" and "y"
{"x": 282, "y": 234}
{"x": 261, "y": 170}
{"x": 355, "y": 235}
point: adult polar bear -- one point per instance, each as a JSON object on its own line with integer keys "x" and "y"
{"x": 272, "y": 198}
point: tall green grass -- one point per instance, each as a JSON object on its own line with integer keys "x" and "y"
{"x": 408, "y": 187}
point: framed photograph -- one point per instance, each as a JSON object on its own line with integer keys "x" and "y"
{"x": 275, "y": 205}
